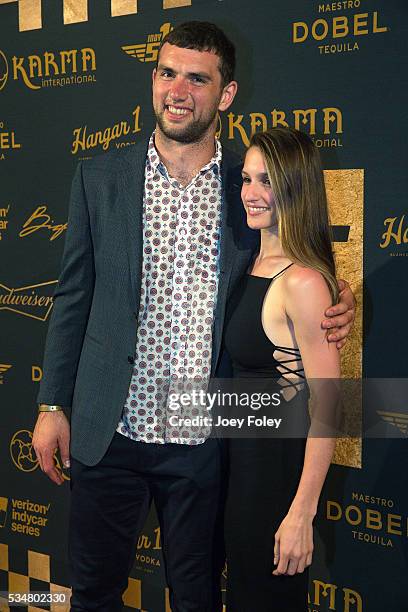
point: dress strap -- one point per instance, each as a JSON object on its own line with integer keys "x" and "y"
{"x": 281, "y": 272}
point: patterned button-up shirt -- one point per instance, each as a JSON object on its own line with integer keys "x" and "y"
{"x": 181, "y": 236}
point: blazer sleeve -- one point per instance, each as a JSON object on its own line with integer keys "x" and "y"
{"x": 72, "y": 302}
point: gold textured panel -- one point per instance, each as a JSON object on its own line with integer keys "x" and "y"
{"x": 75, "y": 11}
{"x": 4, "y": 560}
{"x": 167, "y": 596}
{"x": 38, "y": 566}
{"x": 29, "y": 15}
{"x": 345, "y": 194}
{"x": 18, "y": 583}
{"x": 175, "y": 3}
{"x": 132, "y": 597}
{"x": 61, "y": 607}
{"x": 123, "y": 7}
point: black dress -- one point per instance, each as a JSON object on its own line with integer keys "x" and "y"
{"x": 264, "y": 473}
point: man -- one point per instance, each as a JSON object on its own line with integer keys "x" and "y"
{"x": 156, "y": 241}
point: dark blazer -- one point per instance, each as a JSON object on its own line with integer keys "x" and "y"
{"x": 91, "y": 337}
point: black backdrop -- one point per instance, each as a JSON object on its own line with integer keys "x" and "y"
{"x": 337, "y": 71}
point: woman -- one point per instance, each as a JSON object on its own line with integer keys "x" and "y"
{"x": 273, "y": 332}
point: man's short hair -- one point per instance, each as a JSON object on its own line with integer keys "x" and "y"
{"x": 205, "y": 36}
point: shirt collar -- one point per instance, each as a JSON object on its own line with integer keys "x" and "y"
{"x": 153, "y": 159}
{"x": 215, "y": 162}
{"x": 154, "y": 164}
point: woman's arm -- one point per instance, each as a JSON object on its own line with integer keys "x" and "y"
{"x": 306, "y": 297}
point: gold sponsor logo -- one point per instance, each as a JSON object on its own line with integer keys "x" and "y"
{"x": 343, "y": 31}
{"x": 22, "y": 452}
{"x": 76, "y": 11}
{"x": 34, "y": 301}
{"x": 396, "y": 234}
{"x": 146, "y": 555}
{"x": 4, "y": 367}
{"x": 36, "y": 373}
{"x": 40, "y": 220}
{"x": 397, "y": 419}
{"x": 327, "y": 122}
{"x": 23, "y": 455}
{"x": 4, "y": 211}
{"x": 3, "y": 510}
{"x": 329, "y": 596}
{"x": 4, "y": 70}
{"x": 84, "y": 140}
{"x": 28, "y": 517}
{"x": 71, "y": 67}
{"x": 8, "y": 141}
{"x": 372, "y": 519}
{"x": 148, "y": 51}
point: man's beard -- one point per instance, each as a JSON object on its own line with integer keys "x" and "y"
{"x": 186, "y": 134}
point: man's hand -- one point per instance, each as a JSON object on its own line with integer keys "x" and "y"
{"x": 52, "y": 431}
{"x": 341, "y": 315}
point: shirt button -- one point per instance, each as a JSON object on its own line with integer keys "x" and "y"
{"x": 130, "y": 358}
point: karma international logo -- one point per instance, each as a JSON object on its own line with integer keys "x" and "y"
{"x": 4, "y": 70}
{"x": 326, "y": 596}
{"x": 149, "y": 50}
{"x": 324, "y": 124}
{"x": 50, "y": 69}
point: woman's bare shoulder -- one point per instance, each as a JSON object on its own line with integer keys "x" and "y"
{"x": 306, "y": 294}
{"x": 301, "y": 280}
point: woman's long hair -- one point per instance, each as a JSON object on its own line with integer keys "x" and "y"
{"x": 295, "y": 172}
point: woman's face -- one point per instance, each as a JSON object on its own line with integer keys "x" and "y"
{"x": 256, "y": 192}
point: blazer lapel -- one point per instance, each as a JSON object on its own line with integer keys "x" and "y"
{"x": 228, "y": 251}
{"x": 131, "y": 184}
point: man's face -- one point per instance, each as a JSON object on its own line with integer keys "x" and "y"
{"x": 187, "y": 93}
